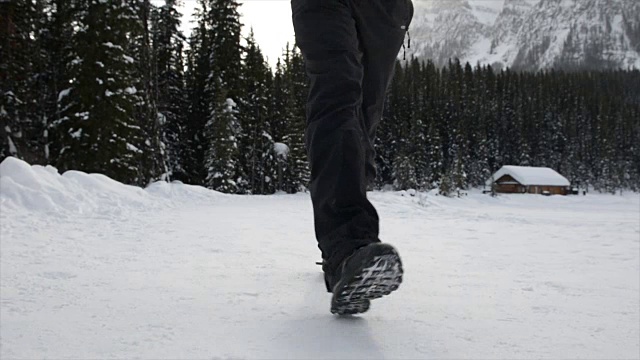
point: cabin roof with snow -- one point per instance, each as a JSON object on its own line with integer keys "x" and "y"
{"x": 526, "y": 175}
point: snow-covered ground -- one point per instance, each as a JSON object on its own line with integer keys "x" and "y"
{"x": 91, "y": 268}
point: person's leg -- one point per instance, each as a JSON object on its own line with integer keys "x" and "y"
{"x": 382, "y": 25}
{"x": 327, "y": 35}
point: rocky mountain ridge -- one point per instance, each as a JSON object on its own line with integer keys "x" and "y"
{"x": 529, "y": 34}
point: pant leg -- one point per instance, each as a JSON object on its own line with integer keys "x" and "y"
{"x": 326, "y": 34}
{"x": 382, "y": 25}
{"x": 349, "y": 48}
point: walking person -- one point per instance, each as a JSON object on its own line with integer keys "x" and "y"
{"x": 350, "y": 48}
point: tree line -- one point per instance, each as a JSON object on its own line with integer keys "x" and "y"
{"x": 452, "y": 127}
{"x": 114, "y": 87}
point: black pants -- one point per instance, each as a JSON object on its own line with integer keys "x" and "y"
{"x": 350, "y": 48}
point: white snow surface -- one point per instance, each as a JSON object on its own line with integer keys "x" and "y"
{"x": 91, "y": 268}
{"x": 281, "y": 149}
{"x": 64, "y": 93}
{"x": 526, "y": 175}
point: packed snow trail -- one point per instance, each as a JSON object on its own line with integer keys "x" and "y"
{"x": 91, "y": 268}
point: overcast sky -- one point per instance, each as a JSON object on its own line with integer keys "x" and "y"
{"x": 271, "y": 22}
{"x": 270, "y": 19}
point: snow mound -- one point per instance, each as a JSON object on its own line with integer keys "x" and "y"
{"x": 281, "y": 149}
{"x": 217, "y": 276}
{"x": 36, "y": 188}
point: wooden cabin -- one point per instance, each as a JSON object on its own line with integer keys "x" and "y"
{"x": 529, "y": 180}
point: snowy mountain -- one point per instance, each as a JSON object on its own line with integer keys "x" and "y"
{"x": 95, "y": 269}
{"x": 529, "y": 34}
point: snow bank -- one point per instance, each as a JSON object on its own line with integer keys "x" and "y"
{"x": 43, "y": 189}
{"x": 234, "y": 277}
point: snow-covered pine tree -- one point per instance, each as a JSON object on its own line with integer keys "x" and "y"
{"x": 436, "y": 155}
{"x": 168, "y": 43}
{"x": 448, "y": 108}
{"x": 410, "y": 158}
{"x": 214, "y": 68}
{"x": 491, "y": 127}
{"x": 548, "y": 138}
{"x": 467, "y": 125}
{"x": 225, "y": 77}
{"x": 222, "y": 154}
{"x": 446, "y": 186}
{"x": 404, "y": 173}
{"x": 458, "y": 173}
{"x": 58, "y": 52}
{"x": 399, "y": 129}
{"x": 280, "y": 111}
{"x": 459, "y": 159}
{"x": 198, "y": 97}
{"x": 298, "y": 174}
{"x": 40, "y": 89}
{"x": 477, "y": 113}
{"x": 97, "y": 129}
{"x": 22, "y": 111}
{"x": 385, "y": 144}
{"x": 153, "y": 163}
{"x": 509, "y": 119}
{"x": 630, "y": 148}
{"x": 258, "y": 144}
{"x": 418, "y": 135}
{"x": 223, "y": 21}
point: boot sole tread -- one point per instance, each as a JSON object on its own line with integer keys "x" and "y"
{"x": 380, "y": 277}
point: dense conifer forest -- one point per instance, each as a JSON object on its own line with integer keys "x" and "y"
{"x": 114, "y": 87}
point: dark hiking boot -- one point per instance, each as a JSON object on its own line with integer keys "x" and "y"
{"x": 369, "y": 273}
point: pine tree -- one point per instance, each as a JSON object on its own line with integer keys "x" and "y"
{"x": 446, "y": 186}
{"x": 198, "y": 95}
{"x": 410, "y": 163}
{"x": 170, "y": 87}
{"x": 280, "y": 111}
{"x": 418, "y": 135}
{"x": 458, "y": 173}
{"x": 214, "y": 68}
{"x": 382, "y": 145}
{"x": 225, "y": 57}
{"x": 153, "y": 163}
{"x": 385, "y": 145}
{"x": 225, "y": 64}
{"x": 396, "y": 132}
{"x": 24, "y": 130}
{"x": 298, "y": 174}
{"x": 222, "y": 153}
{"x": 97, "y": 127}
{"x": 436, "y": 156}
{"x": 259, "y": 157}
{"x": 58, "y": 52}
